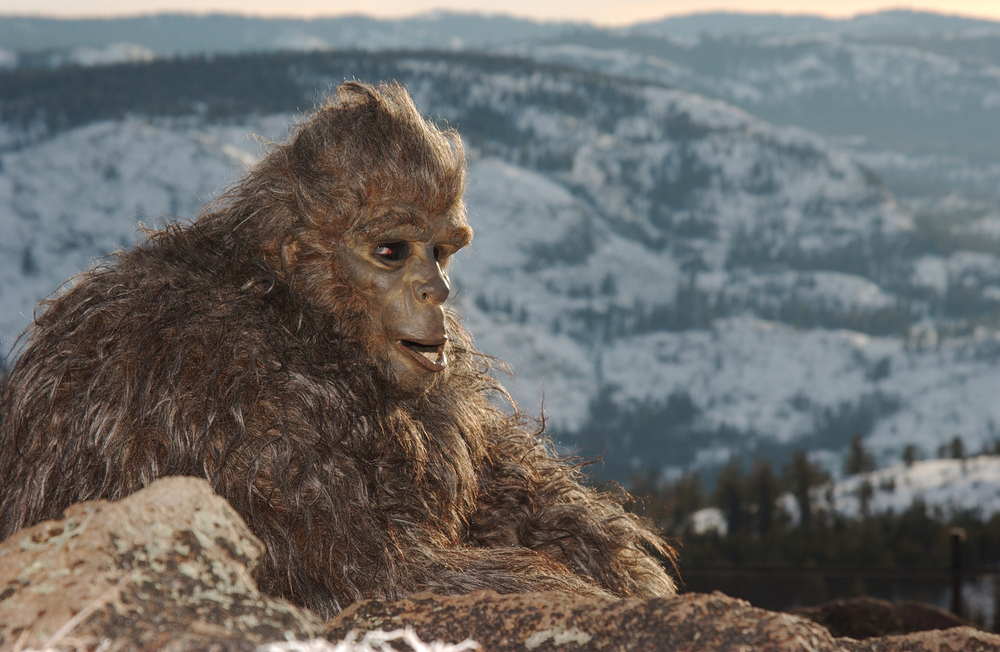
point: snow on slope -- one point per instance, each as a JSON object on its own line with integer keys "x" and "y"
{"x": 71, "y": 200}
{"x": 946, "y": 487}
{"x": 752, "y": 375}
{"x": 763, "y": 377}
{"x": 673, "y": 157}
{"x": 107, "y": 55}
{"x": 526, "y": 226}
{"x": 951, "y": 486}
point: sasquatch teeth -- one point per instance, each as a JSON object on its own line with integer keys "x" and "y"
{"x": 437, "y": 357}
{"x": 434, "y": 354}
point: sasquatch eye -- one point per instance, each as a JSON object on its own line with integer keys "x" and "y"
{"x": 392, "y": 251}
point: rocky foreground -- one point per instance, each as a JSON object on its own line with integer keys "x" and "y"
{"x": 171, "y": 568}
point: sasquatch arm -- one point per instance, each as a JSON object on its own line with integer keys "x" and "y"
{"x": 530, "y": 499}
{"x": 463, "y": 569}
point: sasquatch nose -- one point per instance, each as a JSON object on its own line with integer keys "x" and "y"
{"x": 433, "y": 288}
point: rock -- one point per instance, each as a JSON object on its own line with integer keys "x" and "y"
{"x": 866, "y": 617}
{"x": 170, "y": 567}
{"x": 541, "y": 622}
{"x": 956, "y": 639}
{"x": 553, "y": 621}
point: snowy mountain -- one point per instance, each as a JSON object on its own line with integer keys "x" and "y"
{"x": 679, "y": 281}
{"x": 919, "y": 106}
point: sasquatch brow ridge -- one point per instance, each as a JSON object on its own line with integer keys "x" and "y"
{"x": 458, "y": 236}
{"x": 393, "y": 218}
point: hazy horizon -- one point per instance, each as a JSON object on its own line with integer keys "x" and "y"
{"x": 585, "y": 11}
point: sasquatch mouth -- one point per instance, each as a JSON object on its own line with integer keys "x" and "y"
{"x": 430, "y": 355}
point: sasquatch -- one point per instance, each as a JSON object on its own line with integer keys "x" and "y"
{"x": 292, "y": 345}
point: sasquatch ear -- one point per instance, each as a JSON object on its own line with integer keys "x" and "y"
{"x": 289, "y": 254}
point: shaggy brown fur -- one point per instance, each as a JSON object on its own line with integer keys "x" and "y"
{"x": 209, "y": 351}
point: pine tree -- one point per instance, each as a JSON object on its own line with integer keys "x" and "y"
{"x": 957, "y": 448}
{"x": 762, "y": 491}
{"x": 859, "y": 460}
{"x": 800, "y": 476}
{"x": 729, "y": 496}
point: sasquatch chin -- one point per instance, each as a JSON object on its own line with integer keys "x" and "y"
{"x": 407, "y": 376}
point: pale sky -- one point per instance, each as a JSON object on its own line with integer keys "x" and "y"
{"x": 601, "y": 12}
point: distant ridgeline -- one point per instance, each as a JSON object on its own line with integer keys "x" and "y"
{"x": 690, "y": 284}
{"x": 169, "y": 35}
{"x": 41, "y": 102}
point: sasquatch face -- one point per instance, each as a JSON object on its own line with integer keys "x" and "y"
{"x": 398, "y": 262}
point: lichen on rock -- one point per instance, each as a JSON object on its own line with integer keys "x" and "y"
{"x": 170, "y": 565}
